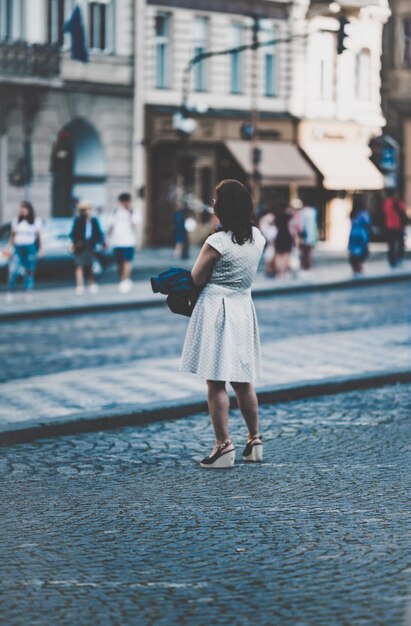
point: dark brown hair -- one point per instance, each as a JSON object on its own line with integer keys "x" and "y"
{"x": 234, "y": 208}
{"x": 31, "y": 216}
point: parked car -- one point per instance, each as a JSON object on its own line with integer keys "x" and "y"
{"x": 57, "y": 260}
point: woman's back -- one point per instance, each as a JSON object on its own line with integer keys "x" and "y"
{"x": 238, "y": 264}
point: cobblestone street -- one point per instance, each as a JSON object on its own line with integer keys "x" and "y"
{"x": 38, "y": 347}
{"x": 123, "y": 527}
{"x": 114, "y": 362}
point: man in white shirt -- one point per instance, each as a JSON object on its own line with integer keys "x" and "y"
{"x": 122, "y": 234}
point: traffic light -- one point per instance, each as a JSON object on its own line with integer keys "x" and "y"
{"x": 341, "y": 34}
{"x": 247, "y": 131}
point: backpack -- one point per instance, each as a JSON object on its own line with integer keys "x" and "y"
{"x": 358, "y": 241}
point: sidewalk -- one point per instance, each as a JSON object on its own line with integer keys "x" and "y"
{"x": 152, "y": 389}
{"x": 333, "y": 274}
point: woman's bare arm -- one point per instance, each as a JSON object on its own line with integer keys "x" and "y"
{"x": 204, "y": 265}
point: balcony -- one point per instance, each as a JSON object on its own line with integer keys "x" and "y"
{"x": 21, "y": 62}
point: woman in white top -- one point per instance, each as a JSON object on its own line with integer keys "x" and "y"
{"x": 25, "y": 242}
{"x": 222, "y": 342}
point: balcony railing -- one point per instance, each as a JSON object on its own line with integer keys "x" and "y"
{"x": 18, "y": 59}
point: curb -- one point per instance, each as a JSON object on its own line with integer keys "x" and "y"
{"x": 137, "y": 415}
{"x": 259, "y": 292}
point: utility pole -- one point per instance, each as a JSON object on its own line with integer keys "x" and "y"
{"x": 255, "y": 150}
{"x": 138, "y": 149}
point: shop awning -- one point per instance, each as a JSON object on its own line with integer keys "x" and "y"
{"x": 345, "y": 166}
{"x": 281, "y": 163}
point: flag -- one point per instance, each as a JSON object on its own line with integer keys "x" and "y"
{"x": 75, "y": 26}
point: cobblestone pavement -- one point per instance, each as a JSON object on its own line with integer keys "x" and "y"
{"x": 136, "y": 357}
{"x": 123, "y": 527}
{"x": 64, "y": 298}
{"x": 45, "y": 346}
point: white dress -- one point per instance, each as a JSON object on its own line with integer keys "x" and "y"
{"x": 222, "y": 340}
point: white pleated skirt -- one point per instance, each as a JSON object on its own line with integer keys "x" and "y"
{"x": 222, "y": 340}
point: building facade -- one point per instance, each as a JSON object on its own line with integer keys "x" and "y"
{"x": 316, "y": 111}
{"x": 223, "y": 93}
{"x": 66, "y": 126}
{"x": 338, "y": 102}
{"x": 290, "y": 117}
{"x": 397, "y": 91}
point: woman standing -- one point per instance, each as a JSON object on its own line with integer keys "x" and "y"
{"x": 283, "y": 242}
{"x": 359, "y": 235}
{"x": 269, "y": 231}
{"x": 222, "y": 342}
{"x": 85, "y": 234}
{"x": 25, "y": 247}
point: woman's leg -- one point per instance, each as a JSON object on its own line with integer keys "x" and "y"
{"x": 14, "y": 270}
{"x": 90, "y": 275}
{"x": 126, "y": 270}
{"x": 278, "y": 263}
{"x": 30, "y": 267}
{"x": 218, "y": 405}
{"x": 79, "y": 277}
{"x": 248, "y": 405}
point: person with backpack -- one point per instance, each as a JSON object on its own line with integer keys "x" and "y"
{"x": 359, "y": 235}
{"x": 395, "y": 215}
{"x": 85, "y": 234}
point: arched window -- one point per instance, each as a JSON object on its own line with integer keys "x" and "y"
{"x": 363, "y": 75}
{"x": 79, "y": 167}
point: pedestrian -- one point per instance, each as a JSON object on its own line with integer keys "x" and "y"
{"x": 222, "y": 342}
{"x": 283, "y": 242}
{"x": 295, "y": 228}
{"x": 308, "y": 235}
{"x": 395, "y": 214}
{"x": 25, "y": 246}
{"x": 359, "y": 235}
{"x": 85, "y": 234}
{"x": 181, "y": 250}
{"x": 122, "y": 234}
{"x": 269, "y": 231}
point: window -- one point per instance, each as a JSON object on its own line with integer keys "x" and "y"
{"x": 326, "y": 62}
{"x": 57, "y": 13}
{"x": 363, "y": 75}
{"x": 101, "y": 22}
{"x": 407, "y": 41}
{"x": 10, "y": 19}
{"x": 237, "y": 59}
{"x": 270, "y": 61}
{"x": 162, "y": 50}
{"x": 200, "y": 45}
{"x": 6, "y": 8}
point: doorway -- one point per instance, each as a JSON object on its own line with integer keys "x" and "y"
{"x": 78, "y": 167}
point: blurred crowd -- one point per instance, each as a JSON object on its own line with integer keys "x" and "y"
{"x": 291, "y": 234}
